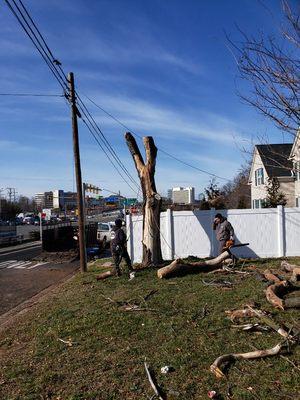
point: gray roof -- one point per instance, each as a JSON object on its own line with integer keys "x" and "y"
{"x": 275, "y": 158}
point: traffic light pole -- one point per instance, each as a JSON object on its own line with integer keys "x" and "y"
{"x": 80, "y": 200}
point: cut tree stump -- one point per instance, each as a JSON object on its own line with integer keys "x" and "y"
{"x": 179, "y": 268}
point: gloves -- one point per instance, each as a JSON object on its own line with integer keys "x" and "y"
{"x": 229, "y": 243}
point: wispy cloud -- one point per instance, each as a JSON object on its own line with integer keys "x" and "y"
{"x": 165, "y": 122}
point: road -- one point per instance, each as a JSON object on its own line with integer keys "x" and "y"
{"x": 26, "y": 229}
{"x": 21, "y": 277}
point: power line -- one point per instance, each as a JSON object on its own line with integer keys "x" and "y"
{"x": 104, "y": 151}
{"x": 59, "y": 75}
{"x": 62, "y": 80}
{"x": 31, "y": 95}
{"x": 163, "y": 151}
{"x": 37, "y": 44}
{"x": 106, "y": 143}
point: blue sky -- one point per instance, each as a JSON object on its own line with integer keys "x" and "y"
{"x": 161, "y": 67}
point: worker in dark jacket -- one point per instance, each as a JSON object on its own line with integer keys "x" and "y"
{"x": 224, "y": 232}
{"x": 118, "y": 247}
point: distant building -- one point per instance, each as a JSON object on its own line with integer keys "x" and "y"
{"x": 56, "y": 199}
{"x": 182, "y": 195}
{"x": 70, "y": 200}
{"x": 169, "y": 194}
{"x": 44, "y": 199}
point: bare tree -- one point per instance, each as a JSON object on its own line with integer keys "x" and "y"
{"x": 272, "y": 66}
{"x": 151, "y": 199}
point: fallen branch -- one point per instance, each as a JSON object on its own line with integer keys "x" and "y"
{"x": 251, "y": 327}
{"x": 105, "y": 275}
{"x": 135, "y": 307}
{"x": 154, "y": 387}
{"x": 215, "y": 367}
{"x": 218, "y": 283}
{"x": 151, "y": 293}
{"x": 288, "y": 267}
{"x": 270, "y": 276}
{"x": 237, "y": 314}
{"x": 177, "y": 267}
{"x": 273, "y": 292}
{"x": 272, "y": 324}
{"x": 295, "y": 275}
{"x": 67, "y": 342}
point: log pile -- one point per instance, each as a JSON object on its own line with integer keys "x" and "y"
{"x": 277, "y": 292}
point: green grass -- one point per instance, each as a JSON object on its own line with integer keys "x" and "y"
{"x": 107, "y": 361}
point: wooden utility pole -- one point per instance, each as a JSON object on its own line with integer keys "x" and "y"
{"x": 80, "y": 200}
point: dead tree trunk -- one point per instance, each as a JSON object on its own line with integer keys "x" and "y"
{"x": 151, "y": 199}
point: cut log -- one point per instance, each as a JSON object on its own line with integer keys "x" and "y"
{"x": 270, "y": 276}
{"x": 105, "y": 275}
{"x": 287, "y": 266}
{"x": 292, "y": 302}
{"x": 215, "y": 368}
{"x": 274, "y": 294}
{"x": 295, "y": 275}
{"x": 178, "y": 267}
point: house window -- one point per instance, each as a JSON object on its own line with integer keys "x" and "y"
{"x": 297, "y": 201}
{"x": 297, "y": 170}
{"x": 258, "y": 203}
{"x": 259, "y": 177}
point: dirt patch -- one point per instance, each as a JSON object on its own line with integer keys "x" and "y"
{"x": 58, "y": 256}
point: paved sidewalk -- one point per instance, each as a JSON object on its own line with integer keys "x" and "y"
{"x": 23, "y": 246}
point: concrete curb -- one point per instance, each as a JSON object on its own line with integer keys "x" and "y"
{"x": 25, "y": 246}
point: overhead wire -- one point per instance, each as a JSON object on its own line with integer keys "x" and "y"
{"x": 106, "y": 142}
{"x": 163, "y": 151}
{"x": 31, "y": 95}
{"x": 60, "y": 75}
{"x": 23, "y": 22}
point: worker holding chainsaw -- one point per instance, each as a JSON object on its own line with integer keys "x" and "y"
{"x": 118, "y": 248}
{"x": 224, "y": 232}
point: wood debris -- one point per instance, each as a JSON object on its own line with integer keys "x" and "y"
{"x": 218, "y": 283}
{"x": 178, "y": 267}
{"x": 67, "y": 342}
{"x": 270, "y": 276}
{"x": 238, "y": 314}
{"x": 215, "y": 367}
{"x": 251, "y": 327}
{"x": 105, "y": 275}
{"x": 288, "y": 267}
{"x": 151, "y": 381}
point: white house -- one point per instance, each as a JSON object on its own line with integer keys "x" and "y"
{"x": 295, "y": 158}
{"x": 281, "y": 161}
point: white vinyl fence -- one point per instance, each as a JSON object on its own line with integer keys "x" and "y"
{"x": 270, "y": 232}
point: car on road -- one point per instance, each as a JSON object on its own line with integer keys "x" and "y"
{"x": 104, "y": 232}
{"x": 28, "y": 221}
